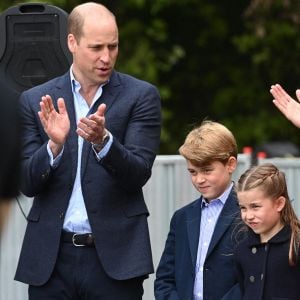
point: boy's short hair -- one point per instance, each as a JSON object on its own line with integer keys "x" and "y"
{"x": 211, "y": 141}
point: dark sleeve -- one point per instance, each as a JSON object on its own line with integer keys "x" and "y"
{"x": 165, "y": 282}
{"x": 234, "y": 293}
{"x": 10, "y": 143}
{"x": 238, "y": 269}
{"x": 130, "y": 161}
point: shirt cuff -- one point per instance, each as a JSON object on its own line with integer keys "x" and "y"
{"x": 54, "y": 161}
{"x": 102, "y": 153}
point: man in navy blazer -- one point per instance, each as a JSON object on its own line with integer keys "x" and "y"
{"x": 197, "y": 262}
{"x": 89, "y": 142}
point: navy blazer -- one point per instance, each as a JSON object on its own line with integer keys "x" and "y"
{"x": 263, "y": 269}
{"x": 175, "y": 274}
{"x": 112, "y": 188}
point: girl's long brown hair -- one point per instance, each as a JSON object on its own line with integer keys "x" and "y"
{"x": 272, "y": 182}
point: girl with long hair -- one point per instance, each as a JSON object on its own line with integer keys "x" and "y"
{"x": 267, "y": 259}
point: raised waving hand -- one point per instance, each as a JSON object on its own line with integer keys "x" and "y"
{"x": 289, "y": 107}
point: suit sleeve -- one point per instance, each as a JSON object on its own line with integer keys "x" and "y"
{"x": 130, "y": 161}
{"x": 239, "y": 274}
{"x": 35, "y": 168}
{"x": 165, "y": 282}
{"x": 234, "y": 293}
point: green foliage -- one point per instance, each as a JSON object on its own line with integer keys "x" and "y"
{"x": 270, "y": 46}
{"x": 211, "y": 59}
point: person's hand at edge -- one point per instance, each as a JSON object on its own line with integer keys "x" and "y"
{"x": 289, "y": 107}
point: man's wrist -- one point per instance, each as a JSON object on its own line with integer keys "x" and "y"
{"x": 55, "y": 148}
{"x": 99, "y": 146}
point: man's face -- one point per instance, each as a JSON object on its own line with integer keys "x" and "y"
{"x": 95, "y": 53}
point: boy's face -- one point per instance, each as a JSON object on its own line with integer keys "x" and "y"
{"x": 213, "y": 179}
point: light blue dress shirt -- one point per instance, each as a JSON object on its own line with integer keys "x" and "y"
{"x": 210, "y": 213}
{"x": 76, "y": 219}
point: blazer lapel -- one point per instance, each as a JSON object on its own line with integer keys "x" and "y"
{"x": 193, "y": 228}
{"x": 110, "y": 92}
{"x": 225, "y": 220}
{"x": 109, "y": 95}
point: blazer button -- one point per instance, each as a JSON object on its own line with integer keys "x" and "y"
{"x": 61, "y": 215}
{"x": 254, "y": 250}
{"x": 252, "y": 279}
{"x": 45, "y": 175}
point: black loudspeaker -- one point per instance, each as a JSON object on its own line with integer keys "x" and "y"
{"x": 33, "y": 45}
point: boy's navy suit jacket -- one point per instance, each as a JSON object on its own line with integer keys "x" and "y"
{"x": 176, "y": 271}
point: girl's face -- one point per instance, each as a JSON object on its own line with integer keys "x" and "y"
{"x": 261, "y": 213}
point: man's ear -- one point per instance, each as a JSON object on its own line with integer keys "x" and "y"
{"x": 71, "y": 42}
{"x": 231, "y": 164}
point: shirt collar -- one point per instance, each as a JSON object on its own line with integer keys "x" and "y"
{"x": 280, "y": 237}
{"x": 221, "y": 198}
{"x": 76, "y": 85}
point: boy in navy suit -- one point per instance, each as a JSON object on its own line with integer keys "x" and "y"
{"x": 197, "y": 262}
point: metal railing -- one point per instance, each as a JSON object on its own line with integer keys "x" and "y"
{"x": 168, "y": 189}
